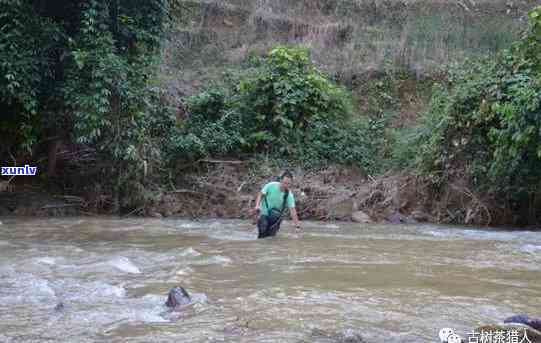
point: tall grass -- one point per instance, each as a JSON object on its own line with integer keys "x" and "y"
{"x": 345, "y": 36}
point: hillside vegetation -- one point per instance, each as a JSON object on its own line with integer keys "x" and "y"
{"x": 350, "y": 39}
{"x": 119, "y": 102}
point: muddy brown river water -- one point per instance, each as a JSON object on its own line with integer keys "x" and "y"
{"x": 387, "y": 283}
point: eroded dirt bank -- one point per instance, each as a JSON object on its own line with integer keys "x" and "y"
{"x": 227, "y": 189}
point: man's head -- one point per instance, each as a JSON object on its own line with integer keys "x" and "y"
{"x": 285, "y": 180}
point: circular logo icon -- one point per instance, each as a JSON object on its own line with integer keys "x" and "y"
{"x": 454, "y": 338}
{"x": 445, "y": 333}
{"x": 448, "y": 335}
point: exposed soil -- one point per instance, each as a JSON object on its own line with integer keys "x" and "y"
{"x": 227, "y": 189}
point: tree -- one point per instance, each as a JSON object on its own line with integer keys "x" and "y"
{"x": 81, "y": 70}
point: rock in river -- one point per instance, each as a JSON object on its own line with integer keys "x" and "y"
{"x": 177, "y": 296}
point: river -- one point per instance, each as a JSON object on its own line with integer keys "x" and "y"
{"x": 388, "y": 283}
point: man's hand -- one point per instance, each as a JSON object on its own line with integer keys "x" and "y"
{"x": 298, "y": 227}
{"x": 255, "y": 215}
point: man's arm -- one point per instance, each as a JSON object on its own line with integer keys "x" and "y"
{"x": 260, "y": 195}
{"x": 295, "y": 217}
{"x": 258, "y": 201}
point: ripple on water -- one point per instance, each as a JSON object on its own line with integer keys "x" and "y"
{"x": 226, "y": 231}
{"x": 474, "y": 234}
{"x": 332, "y": 235}
{"x": 93, "y": 292}
{"x": 41, "y": 288}
{"x": 46, "y": 260}
{"x": 6, "y": 270}
{"x": 124, "y": 264}
{"x": 105, "y": 290}
{"x": 26, "y": 289}
{"x": 191, "y": 226}
{"x": 531, "y": 249}
{"x": 331, "y": 226}
{"x": 184, "y": 271}
{"x": 188, "y": 252}
{"x": 92, "y": 286}
{"x": 230, "y": 234}
{"x": 216, "y": 259}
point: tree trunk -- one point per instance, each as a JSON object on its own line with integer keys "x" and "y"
{"x": 53, "y": 149}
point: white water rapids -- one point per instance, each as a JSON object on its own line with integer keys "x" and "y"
{"x": 388, "y": 283}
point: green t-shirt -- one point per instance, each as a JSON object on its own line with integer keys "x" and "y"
{"x": 275, "y": 197}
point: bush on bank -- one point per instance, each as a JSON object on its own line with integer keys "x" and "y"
{"x": 280, "y": 105}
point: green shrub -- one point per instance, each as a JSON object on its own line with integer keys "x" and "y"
{"x": 486, "y": 120}
{"x": 27, "y": 47}
{"x": 281, "y": 105}
{"x": 403, "y": 144}
{"x": 357, "y": 142}
{"x": 80, "y": 71}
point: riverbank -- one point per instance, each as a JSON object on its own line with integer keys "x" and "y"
{"x": 228, "y": 188}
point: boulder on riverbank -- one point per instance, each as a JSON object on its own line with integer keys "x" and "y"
{"x": 361, "y": 217}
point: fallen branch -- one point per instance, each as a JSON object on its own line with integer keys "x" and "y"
{"x": 57, "y": 206}
{"x": 132, "y": 212}
{"x": 218, "y": 189}
{"x": 188, "y": 191}
{"x": 71, "y": 198}
{"x": 476, "y": 200}
{"x": 240, "y": 187}
{"x": 221, "y": 161}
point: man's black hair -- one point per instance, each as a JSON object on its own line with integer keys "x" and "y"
{"x": 286, "y": 173}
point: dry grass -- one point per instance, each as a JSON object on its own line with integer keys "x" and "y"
{"x": 345, "y": 36}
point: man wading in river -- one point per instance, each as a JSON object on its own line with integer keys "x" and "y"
{"x": 271, "y": 204}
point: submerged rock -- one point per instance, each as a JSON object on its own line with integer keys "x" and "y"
{"x": 59, "y": 307}
{"x": 399, "y": 218}
{"x": 361, "y": 217}
{"x": 322, "y": 336}
{"x": 155, "y": 215}
{"x": 177, "y": 296}
{"x": 526, "y": 320}
{"x": 421, "y": 216}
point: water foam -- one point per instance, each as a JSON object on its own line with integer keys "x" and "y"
{"x": 124, "y": 264}
{"x": 185, "y": 271}
{"x": 102, "y": 289}
{"x": 217, "y": 259}
{"x": 531, "y": 248}
{"x": 26, "y": 288}
{"x": 189, "y": 252}
{"x": 47, "y": 260}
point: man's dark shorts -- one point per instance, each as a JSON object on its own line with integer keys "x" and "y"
{"x": 267, "y": 228}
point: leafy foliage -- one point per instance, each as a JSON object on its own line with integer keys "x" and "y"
{"x": 487, "y": 120}
{"x": 26, "y": 46}
{"x": 82, "y": 70}
{"x": 356, "y": 142}
{"x": 282, "y": 105}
